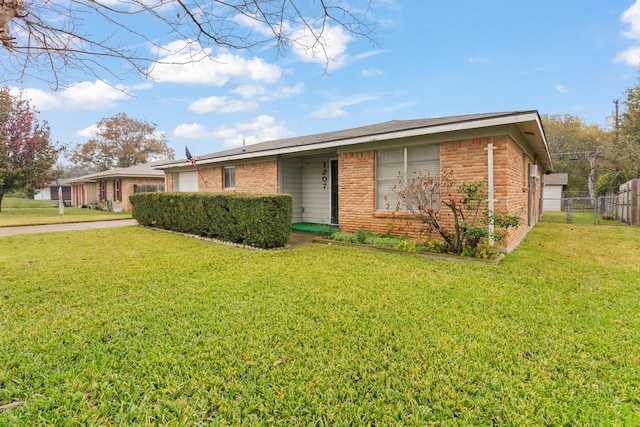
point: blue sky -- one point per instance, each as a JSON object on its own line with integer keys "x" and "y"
{"x": 435, "y": 58}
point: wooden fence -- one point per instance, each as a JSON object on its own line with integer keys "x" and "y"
{"x": 628, "y": 209}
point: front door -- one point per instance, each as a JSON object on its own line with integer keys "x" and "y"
{"x": 334, "y": 192}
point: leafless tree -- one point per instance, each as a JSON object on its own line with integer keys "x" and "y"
{"x": 59, "y": 36}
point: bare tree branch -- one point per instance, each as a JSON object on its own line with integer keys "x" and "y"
{"x": 60, "y": 37}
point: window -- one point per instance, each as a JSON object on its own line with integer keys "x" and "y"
{"x": 391, "y": 165}
{"x": 147, "y": 188}
{"x": 229, "y": 177}
{"x": 103, "y": 190}
{"x": 117, "y": 194}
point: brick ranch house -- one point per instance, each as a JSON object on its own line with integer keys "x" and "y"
{"x": 342, "y": 177}
{"x": 115, "y": 186}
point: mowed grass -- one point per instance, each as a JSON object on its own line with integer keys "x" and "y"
{"x": 134, "y": 326}
{"x": 579, "y": 218}
{"x": 17, "y": 211}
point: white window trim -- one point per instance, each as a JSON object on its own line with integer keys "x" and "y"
{"x": 224, "y": 177}
{"x": 405, "y": 173}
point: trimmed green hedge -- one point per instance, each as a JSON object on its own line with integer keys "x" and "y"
{"x": 263, "y": 221}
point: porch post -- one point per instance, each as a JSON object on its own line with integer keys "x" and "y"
{"x": 490, "y": 190}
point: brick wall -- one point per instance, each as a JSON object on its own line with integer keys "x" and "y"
{"x": 126, "y": 188}
{"x": 169, "y": 181}
{"x": 467, "y": 159}
{"x": 256, "y": 178}
{"x": 356, "y": 191}
{"x": 213, "y": 178}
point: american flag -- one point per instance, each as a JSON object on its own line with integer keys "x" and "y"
{"x": 189, "y": 156}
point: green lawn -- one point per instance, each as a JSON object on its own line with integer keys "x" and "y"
{"x": 581, "y": 218}
{"x": 16, "y": 211}
{"x": 134, "y": 326}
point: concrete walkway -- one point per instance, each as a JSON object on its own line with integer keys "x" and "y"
{"x": 33, "y": 229}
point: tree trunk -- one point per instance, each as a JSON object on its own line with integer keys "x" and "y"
{"x": 592, "y": 176}
{"x": 1, "y": 196}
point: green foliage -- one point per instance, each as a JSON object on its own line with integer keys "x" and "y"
{"x": 610, "y": 182}
{"x": 27, "y": 155}
{"x": 569, "y": 138}
{"x": 121, "y": 142}
{"x": 262, "y": 221}
{"x": 400, "y": 243}
{"x": 422, "y": 195}
{"x": 130, "y": 326}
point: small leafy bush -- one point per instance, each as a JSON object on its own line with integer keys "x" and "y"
{"x": 423, "y": 195}
{"x": 481, "y": 250}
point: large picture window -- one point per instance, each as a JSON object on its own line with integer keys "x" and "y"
{"x": 399, "y": 163}
{"x": 229, "y": 177}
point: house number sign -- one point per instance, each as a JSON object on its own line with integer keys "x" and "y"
{"x": 325, "y": 177}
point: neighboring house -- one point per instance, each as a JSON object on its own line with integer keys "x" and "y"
{"x": 345, "y": 177}
{"x": 555, "y": 184}
{"x": 112, "y": 188}
{"x": 50, "y": 192}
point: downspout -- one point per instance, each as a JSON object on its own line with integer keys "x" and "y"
{"x": 490, "y": 191}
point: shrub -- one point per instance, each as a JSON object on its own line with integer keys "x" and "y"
{"x": 423, "y": 195}
{"x": 262, "y": 221}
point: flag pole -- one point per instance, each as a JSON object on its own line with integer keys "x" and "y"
{"x": 193, "y": 161}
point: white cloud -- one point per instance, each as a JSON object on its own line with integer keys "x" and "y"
{"x": 630, "y": 56}
{"x": 329, "y": 112}
{"x": 335, "y": 108}
{"x": 221, "y": 104}
{"x": 249, "y": 91}
{"x": 631, "y": 16}
{"x": 80, "y": 96}
{"x": 191, "y": 131}
{"x": 561, "y": 88}
{"x": 262, "y": 128}
{"x": 371, "y": 72}
{"x": 189, "y": 63}
{"x": 88, "y": 132}
{"x": 283, "y": 92}
{"x": 255, "y": 25}
{"x": 478, "y": 60}
{"x": 325, "y": 46}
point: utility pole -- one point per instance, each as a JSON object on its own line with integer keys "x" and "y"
{"x": 616, "y": 123}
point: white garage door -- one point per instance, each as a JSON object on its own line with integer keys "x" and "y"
{"x": 185, "y": 182}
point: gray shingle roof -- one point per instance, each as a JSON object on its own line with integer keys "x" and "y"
{"x": 556, "y": 179}
{"x": 143, "y": 170}
{"x": 380, "y": 131}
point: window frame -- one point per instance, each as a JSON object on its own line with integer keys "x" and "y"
{"x": 383, "y": 201}
{"x": 117, "y": 190}
{"x": 103, "y": 190}
{"x": 229, "y": 177}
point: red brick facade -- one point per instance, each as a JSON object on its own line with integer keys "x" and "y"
{"x": 466, "y": 159}
{"x": 126, "y": 189}
{"x": 256, "y": 178}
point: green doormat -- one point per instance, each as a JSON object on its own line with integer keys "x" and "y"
{"x": 309, "y": 227}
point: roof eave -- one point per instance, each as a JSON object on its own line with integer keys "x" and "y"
{"x": 425, "y": 130}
